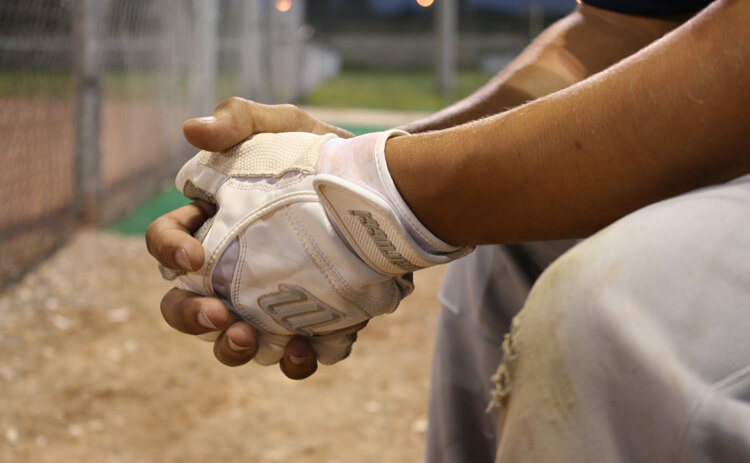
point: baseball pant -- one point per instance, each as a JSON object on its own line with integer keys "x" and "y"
{"x": 634, "y": 346}
{"x": 481, "y": 294}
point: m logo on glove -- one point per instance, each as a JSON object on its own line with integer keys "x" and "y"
{"x": 298, "y": 310}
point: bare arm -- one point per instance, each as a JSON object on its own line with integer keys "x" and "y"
{"x": 671, "y": 118}
{"x": 567, "y": 53}
{"x": 586, "y": 41}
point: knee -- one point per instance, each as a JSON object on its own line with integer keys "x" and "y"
{"x": 573, "y": 296}
{"x": 603, "y": 281}
{"x": 574, "y": 311}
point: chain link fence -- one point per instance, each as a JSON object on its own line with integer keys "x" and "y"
{"x": 36, "y": 132}
{"x": 93, "y": 94}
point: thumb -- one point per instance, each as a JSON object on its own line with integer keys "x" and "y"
{"x": 231, "y": 122}
{"x": 236, "y": 118}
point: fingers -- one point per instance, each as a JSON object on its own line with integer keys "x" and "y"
{"x": 168, "y": 238}
{"x": 237, "y": 345}
{"x": 237, "y": 341}
{"x": 194, "y": 314}
{"x": 190, "y": 313}
{"x": 299, "y": 360}
{"x": 236, "y": 118}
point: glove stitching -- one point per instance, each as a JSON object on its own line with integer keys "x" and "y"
{"x": 283, "y": 183}
{"x": 237, "y": 275}
{"x": 349, "y": 331}
{"x": 354, "y": 295}
{"x": 248, "y": 219}
{"x": 351, "y": 295}
{"x": 246, "y": 314}
{"x": 296, "y": 226}
{"x": 413, "y": 252}
{"x": 215, "y": 161}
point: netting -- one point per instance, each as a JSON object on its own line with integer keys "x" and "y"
{"x": 36, "y": 132}
{"x": 91, "y": 112}
{"x": 144, "y": 100}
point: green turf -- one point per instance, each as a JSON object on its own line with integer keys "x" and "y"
{"x": 405, "y": 90}
{"x": 116, "y": 85}
{"x": 29, "y": 84}
{"x": 362, "y": 129}
{"x": 137, "y": 221}
{"x": 415, "y": 90}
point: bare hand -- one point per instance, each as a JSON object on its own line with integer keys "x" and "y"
{"x": 236, "y": 118}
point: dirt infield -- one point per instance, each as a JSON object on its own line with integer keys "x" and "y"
{"x": 91, "y": 373}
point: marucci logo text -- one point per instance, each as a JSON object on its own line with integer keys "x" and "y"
{"x": 380, "y": 238}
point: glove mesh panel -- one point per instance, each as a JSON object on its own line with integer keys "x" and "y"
{"x": 269, "y": 155}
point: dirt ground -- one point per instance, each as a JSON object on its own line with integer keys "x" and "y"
{"x": 89, "y": 372}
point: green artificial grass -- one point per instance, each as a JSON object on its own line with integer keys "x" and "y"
{"x": 137, "y": 221}
{"x": 29, "y": 84}
{"x": 400, "y": 90}
{"x": 408, "y": 91}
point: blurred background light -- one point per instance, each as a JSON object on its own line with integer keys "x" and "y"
{"x": 283, "y": 5}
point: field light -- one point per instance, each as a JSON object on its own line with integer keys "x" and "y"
{"x": 425, "y": 3}
{"x": 283, "y": 5}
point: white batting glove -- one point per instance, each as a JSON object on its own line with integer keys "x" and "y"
{"x": 310, "y": 237}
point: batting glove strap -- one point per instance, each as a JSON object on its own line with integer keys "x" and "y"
{"x": 369, "y": 212}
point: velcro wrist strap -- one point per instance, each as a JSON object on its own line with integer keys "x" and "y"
{"x": 383, "y": 231}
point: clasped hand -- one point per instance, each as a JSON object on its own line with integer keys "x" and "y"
{"x": 310, "y": 237}
{"x": 169, "y": 238}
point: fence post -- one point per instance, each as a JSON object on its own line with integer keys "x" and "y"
{"x": 88, "y": 25}
{"x": 447, "y": 27}
{"x": 252, "y": 66}
{"x": 204, "y": 62}
{"x": 286, "y": 50}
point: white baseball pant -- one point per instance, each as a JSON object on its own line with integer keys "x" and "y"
{"x": 634, "y": 346}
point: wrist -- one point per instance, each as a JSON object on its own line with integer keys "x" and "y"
{"x": 356, "y": 188}
{"x": 426, "y": 176}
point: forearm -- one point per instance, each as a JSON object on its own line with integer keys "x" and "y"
{"x": 669, "y": 119}
{"x": 581, "y": 44}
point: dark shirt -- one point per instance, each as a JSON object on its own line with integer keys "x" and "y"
{"x": 650, "y": 7}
